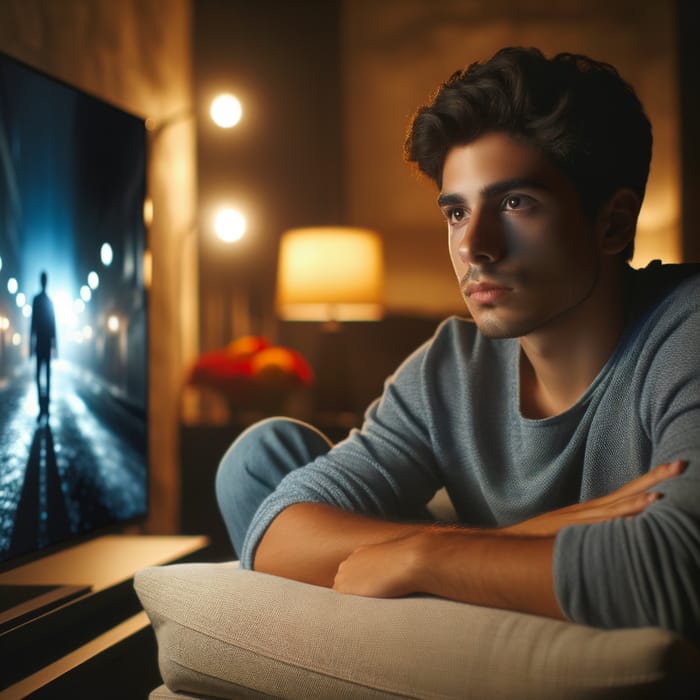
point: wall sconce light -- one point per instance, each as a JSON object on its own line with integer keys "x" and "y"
{"x": 230, "y": 225}
{"x": 226, "y": 111}
{"x": 330, "y": 274}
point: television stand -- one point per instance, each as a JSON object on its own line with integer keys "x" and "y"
{"x": 22, "y": 602}
{"x": 72, "y": 647}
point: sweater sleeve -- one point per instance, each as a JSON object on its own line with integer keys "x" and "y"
{"x": 386, "y": 469}
{"x": 645, "y": 571}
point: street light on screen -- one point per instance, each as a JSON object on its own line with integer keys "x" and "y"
{"x": 106, "y": 254}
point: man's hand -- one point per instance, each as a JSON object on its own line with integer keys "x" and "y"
{"x": 308, "y": 541}
{"x": 388, "y": 569}
{"x": 629, "y": 500}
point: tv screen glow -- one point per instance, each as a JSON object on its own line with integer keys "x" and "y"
{"x": 73, "y": 461}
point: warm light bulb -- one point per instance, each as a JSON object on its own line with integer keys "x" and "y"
{"x": 230, "y": 225}
{"x": 147, "y": 268}
{"x": 226, "y": 111}
{"x": 148, "y": 211}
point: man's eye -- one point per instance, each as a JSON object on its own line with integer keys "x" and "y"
{"x": 456, "y": 215}
{"x": 517, "y": 202}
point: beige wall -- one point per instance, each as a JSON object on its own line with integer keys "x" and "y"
{"x": 136, "y": 54}
{"x": 395, "y": 54}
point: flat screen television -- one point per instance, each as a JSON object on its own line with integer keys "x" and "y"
{"x": 73, "y": 405}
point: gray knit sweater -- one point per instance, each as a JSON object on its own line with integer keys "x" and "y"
{"x": 450, "y": 416}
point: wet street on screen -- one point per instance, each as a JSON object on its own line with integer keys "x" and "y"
{"x": 82, "y": 467}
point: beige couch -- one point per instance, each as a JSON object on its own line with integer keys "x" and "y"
{"x": 227, "y": 633}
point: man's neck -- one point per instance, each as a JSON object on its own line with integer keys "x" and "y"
{"x": 560, "y": 361}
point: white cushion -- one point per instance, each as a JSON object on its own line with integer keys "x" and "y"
{"x": 225, "y": 632}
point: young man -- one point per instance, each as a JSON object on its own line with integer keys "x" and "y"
{"x": 564, "y": 421}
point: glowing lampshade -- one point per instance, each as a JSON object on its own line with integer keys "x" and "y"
{"x": 330, "y": 274}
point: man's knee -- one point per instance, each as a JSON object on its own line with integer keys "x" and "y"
{"x": 267, "y": 451}
{"x": 258, "y": 459}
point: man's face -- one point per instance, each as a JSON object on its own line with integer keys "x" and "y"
{"x": 524, "y": 253}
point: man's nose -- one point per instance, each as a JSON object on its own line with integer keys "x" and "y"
{"x": 483, "y": 240}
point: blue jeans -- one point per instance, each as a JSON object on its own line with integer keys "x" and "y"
{"x": 259, "y": 458}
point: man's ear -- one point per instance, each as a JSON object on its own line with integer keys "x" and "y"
{"x": 617, "y": 221}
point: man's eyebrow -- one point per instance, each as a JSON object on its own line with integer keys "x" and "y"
{"x": 448, "y": 199}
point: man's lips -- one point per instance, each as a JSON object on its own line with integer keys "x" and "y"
{"x": 485, "y": 292}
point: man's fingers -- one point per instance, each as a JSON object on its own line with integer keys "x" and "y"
{"x": 632, "y": 505}
{"x": 588, "y": 513}
{"x": 649, "y": 480}
{"x": 585, "y": 514}
{"x": 630, "y": 500}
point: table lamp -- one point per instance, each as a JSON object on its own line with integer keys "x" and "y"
{"x": 331, "y": 275}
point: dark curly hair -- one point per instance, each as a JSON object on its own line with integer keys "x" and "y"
{"x": 578, "y": 111}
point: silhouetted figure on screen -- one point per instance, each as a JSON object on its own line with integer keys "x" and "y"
{"x": 43, "y": 342}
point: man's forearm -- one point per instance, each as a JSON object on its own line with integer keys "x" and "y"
{"x": 307, "y": 541}
{"x": 508, "y": 568}
{"x": 326, "y": 546}
{"x": 485, "y": 568}
{"x": 492, "y": 569}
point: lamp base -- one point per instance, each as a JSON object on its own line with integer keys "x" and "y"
{"x": 334, "y": 400}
